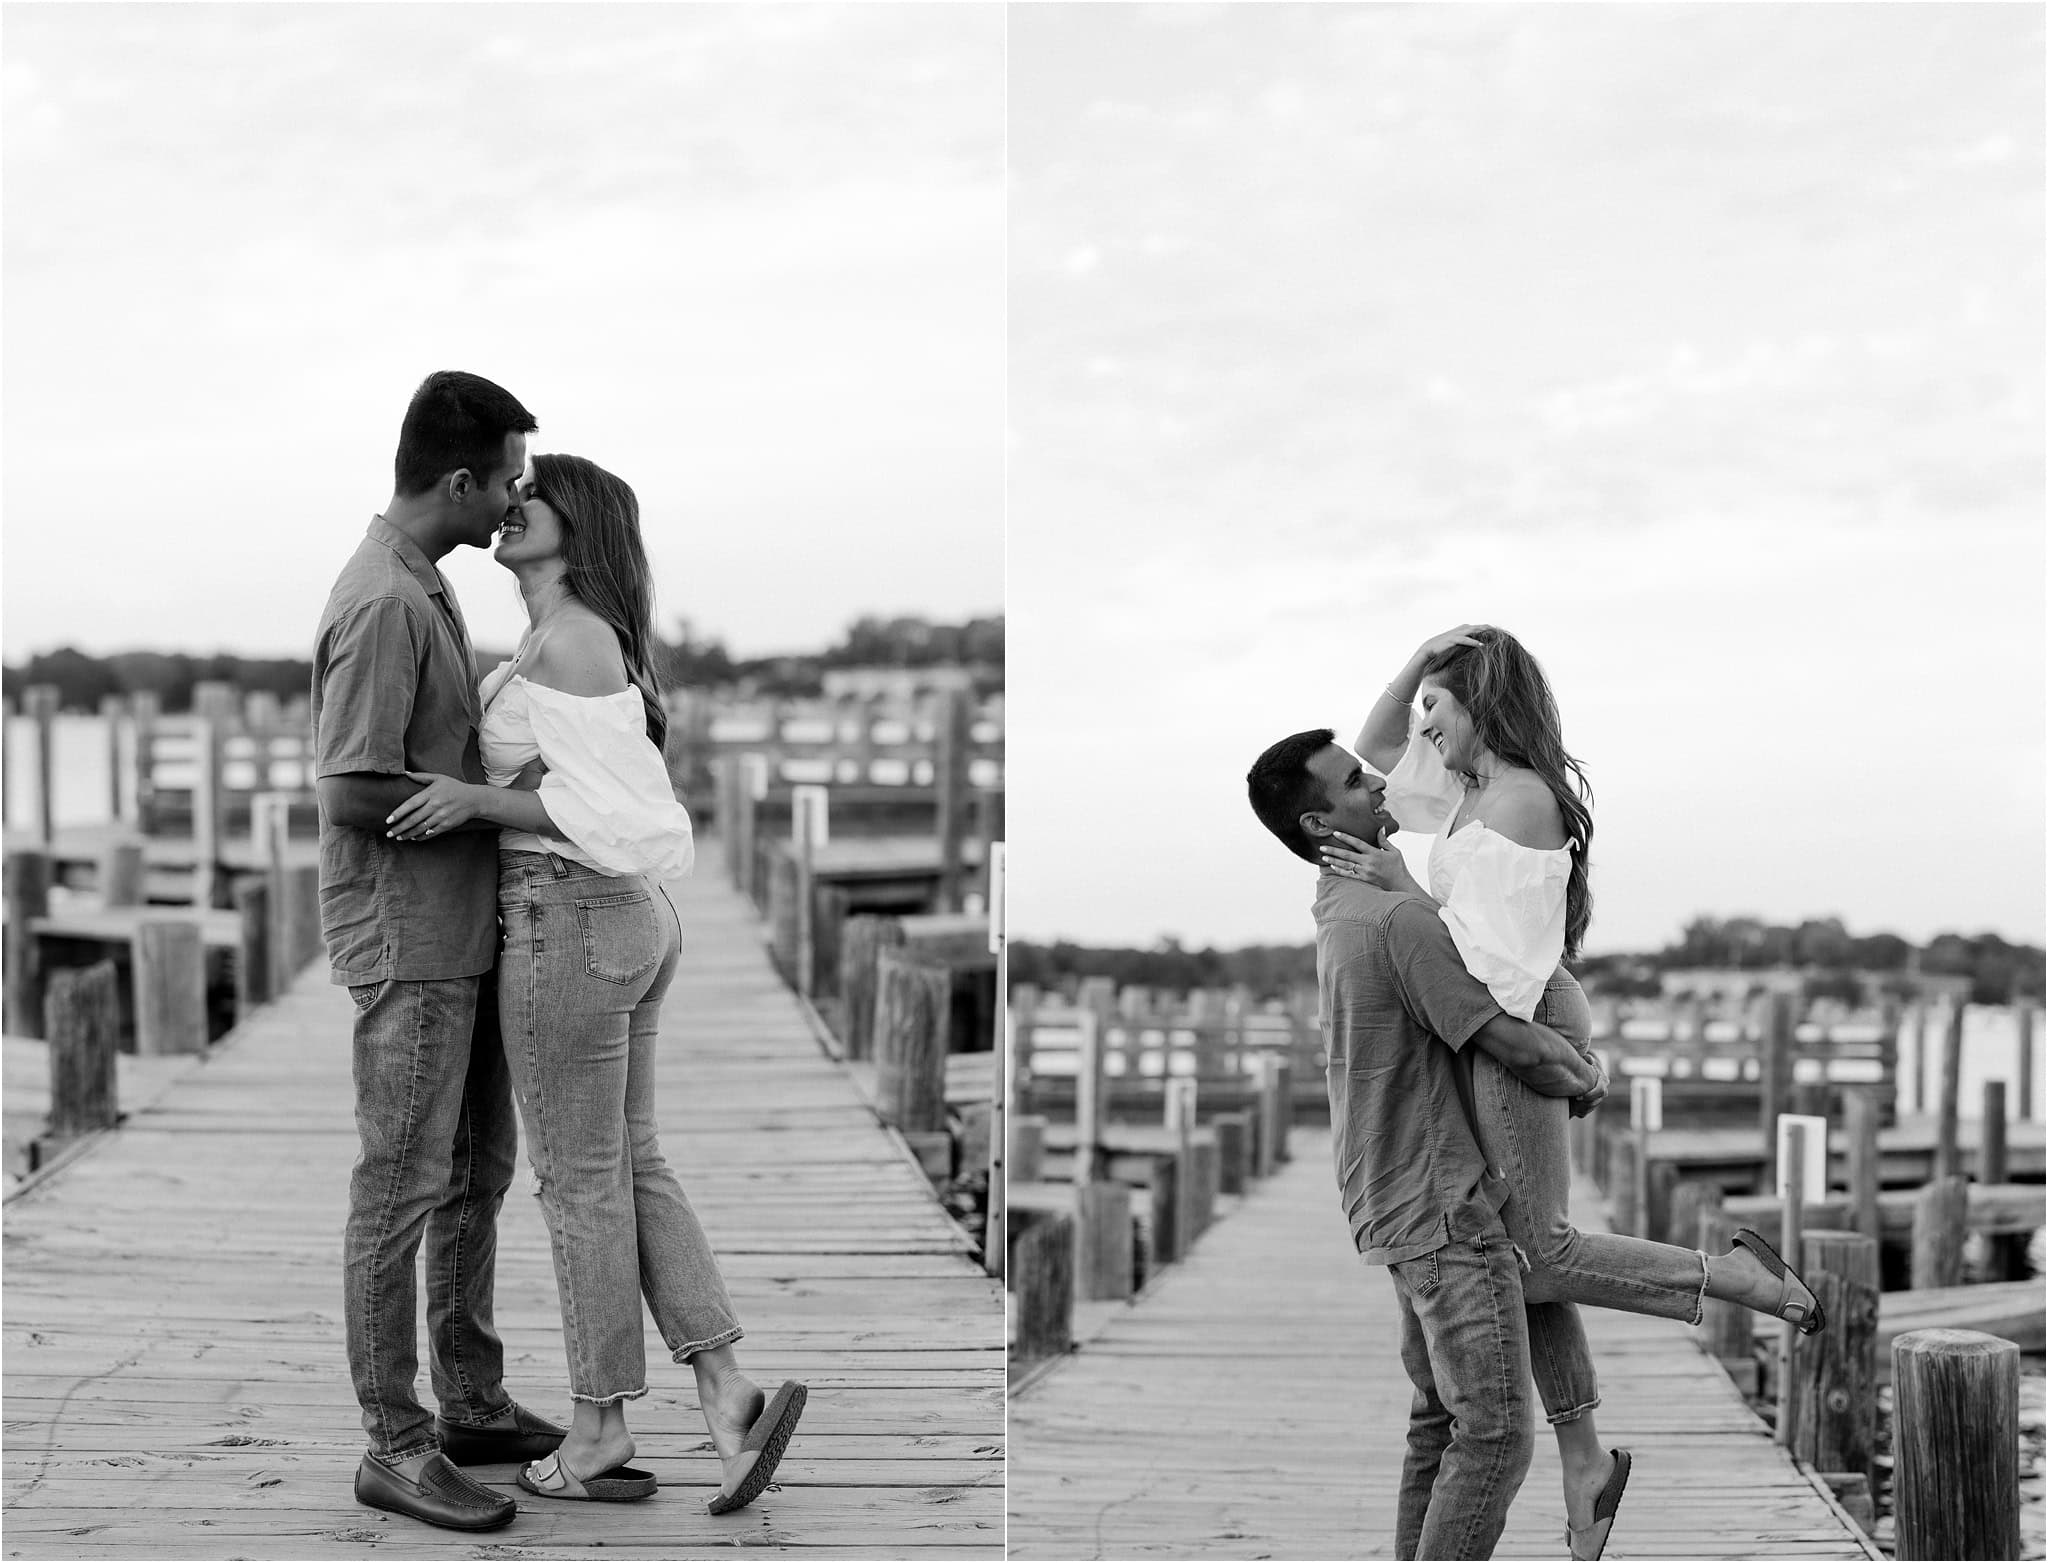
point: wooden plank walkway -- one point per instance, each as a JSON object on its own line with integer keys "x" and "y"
{"x": 1252, "y": 1405}
{"x": 175, "y": 1385}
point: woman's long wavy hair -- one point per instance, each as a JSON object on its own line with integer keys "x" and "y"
{"x": 1504, "y": 692}
{"x": 607, "y": 565}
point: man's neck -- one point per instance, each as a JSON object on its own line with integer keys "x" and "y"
{"x": 420, "y": 518}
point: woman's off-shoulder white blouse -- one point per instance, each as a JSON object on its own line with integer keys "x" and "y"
{"x": 607, "y": 788}
{"x": 1503, "y": 902}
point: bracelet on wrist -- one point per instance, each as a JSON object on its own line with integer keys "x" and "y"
{"x": 1397, "y": 699}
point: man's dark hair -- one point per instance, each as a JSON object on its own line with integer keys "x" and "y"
{"x": 456, "y": 420}
{"x": 1282, "y": 789}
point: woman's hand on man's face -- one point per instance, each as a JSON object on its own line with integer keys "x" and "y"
{"x": 1355, "y": 859}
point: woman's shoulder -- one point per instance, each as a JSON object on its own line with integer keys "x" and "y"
{"x": 579, "y": 655}
{"x": 1524, "y": 810}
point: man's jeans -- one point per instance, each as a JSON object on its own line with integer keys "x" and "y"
{"x": 439, "y": 1144}
{"x": 1525, "y": 1138}
{"x": 1471, "y": 1431}
{"x": 588, "y": 958}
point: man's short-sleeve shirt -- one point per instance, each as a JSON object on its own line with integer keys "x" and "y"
{"x": 394, "y": 689}
{"x": 1396, "y": 1004}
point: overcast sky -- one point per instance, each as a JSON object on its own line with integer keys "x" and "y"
{"x": 1700, "y": 346}
{"x": 748, "y": 257}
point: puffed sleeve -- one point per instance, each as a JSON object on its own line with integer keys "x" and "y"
{"x": 1506, "y": 916}
{"x": 1421, "y": 793}
{"x": 606, "y": 787}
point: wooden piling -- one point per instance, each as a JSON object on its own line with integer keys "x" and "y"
{"x": 1860, "y": 1112}
{"x": 1624, "y": 1167}
{"x": 949, "y": 776}
{"x": 121, "y": 873}
{"x": 113, "y": 714}
{"x": 1042, "y": 1273}
{"x": 1791, "y": 1229}
{"x": 808, "y": 832}
{"x": 1940, "y": 1221}
{"x": 1834, "y": 1373}
{"x": 304, "y": 942}
{"x": 994, "y": 1250}
{"x": 170, "y": 988}
{"x": 1774, "y": 1079}
{"x": 1233, "y": 1151}
{"x": 861, "y": 941}
{"x": 1946, "y": 1161}
{"x": 2023, "y": 1073}
{"x": 82, "y": 1019}
{"x": 40, "y": 704}
{"x": 207, "y": 877}
{"x": 252, "y": 952}
{"x": 1691, "y": 1198}
{"x": 1993, "y": 1160}
{"x": 913, "y": 999}
{"x": 1955, "y": 1445}
{"x": 1180, "y": 1118}
{"x": 1027, "y": 1148}
{"x": 27, "y": 898}
{"x": 1104, "y": 1241}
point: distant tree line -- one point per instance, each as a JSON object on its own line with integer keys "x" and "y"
{"x": 689, "y": 661}
{"x": 1830, "y": 959}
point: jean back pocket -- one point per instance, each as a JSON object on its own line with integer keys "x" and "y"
{"x": 621, "y": 939}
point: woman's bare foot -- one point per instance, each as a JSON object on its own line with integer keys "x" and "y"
{"x": 589, "y": 1455}
{"x": 1583, "y": 1484}
{"x": 732, "y": 1403}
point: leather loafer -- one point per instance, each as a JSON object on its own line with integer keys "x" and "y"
{"x": 442, "y": 1496}
{"x": 529, "y": 1438}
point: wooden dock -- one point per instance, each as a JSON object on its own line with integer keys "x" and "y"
{"x": 175, "y": 1385}
{"x": 1251, "y": 1404}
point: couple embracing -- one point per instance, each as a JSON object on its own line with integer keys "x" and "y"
{"x": 1457, "y": 1044}
{"x": 494, "y": 869}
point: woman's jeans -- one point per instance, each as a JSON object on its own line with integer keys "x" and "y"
{"x": 586, "y": 961}
{"x": 1523, "y": 1134}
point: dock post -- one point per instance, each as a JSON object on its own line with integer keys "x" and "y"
{"x": 252, "y": 951}
{"x": 170, "y": 988}
{"x": 913, "y": 997}
{"x": 1102, "y": 1209}
{"x": 1941, "y": 1214}
{"x": 725, "y": 781}
{"x": 1691, "y": 1199}
{"x": 82, "y": 1019}
{"x": 1946, "y": 1162}
{"x": 42, "y": 702}
{"x": 808, "y": 832}
{"x": 1180, "y": 1118}
{"x": 113, "y": 709}
{"x": 1920, "y": 1029}
{"x": 2023, "y": 1037}
{"x": 1835, "y": 1372}
{"x": 1027, "y": 1148}
{"x": 949, "y": 777}
{"x": 1624, "y": 1202}
{"x": 1233, "y": 1151}
{"x": 304, "y": 940}
{"x": 1042, "y": 1271}
{"x": 1791, "y": 1228}
{"x": 1774, "y": 1079}
{"x": 268, "y": 824}
{"x": 121, "y": 873}
{"x": 27, "y": 898}
{"x": 2008, "y": 1252}
{"x": 1955, "y": 1445}
{"x": 862, "y": 940}
{"x": 1860, "y": 1110}
{"x": 143, "y": 712}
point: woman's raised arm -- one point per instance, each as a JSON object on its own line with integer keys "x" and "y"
{"x": 1385, "y": 733}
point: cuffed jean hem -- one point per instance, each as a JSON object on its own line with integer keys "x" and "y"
{"x": 1572, "y": 1413}
{"x": 483, "y": 1426}
{"x": 1699, "y": 1306}
{"x": 609, "y": 1400}
{"x": 431, "y": 1446}
{"x": 689, "y": 1349}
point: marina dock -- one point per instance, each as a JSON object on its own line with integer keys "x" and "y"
{"x": 175, "y": 1384}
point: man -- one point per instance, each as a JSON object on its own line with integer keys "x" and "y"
{"x": 412, "y": 934}
{"x": 1397, "y": 1007}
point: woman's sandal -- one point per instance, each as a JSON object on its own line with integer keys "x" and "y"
{"x": 1792, "y": 1311}
{"x": 550, "y": 1478}
{"x": 766, "y": 1439}
{"x": 1604, "y": 1507}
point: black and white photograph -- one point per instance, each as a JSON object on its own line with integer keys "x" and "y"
{"x": 1526, "y": 561}
{"x": 504, "y": 775}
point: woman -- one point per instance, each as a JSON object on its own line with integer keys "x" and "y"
{"x": 1474, "y": 751}
{"x": 571, "y": 737}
